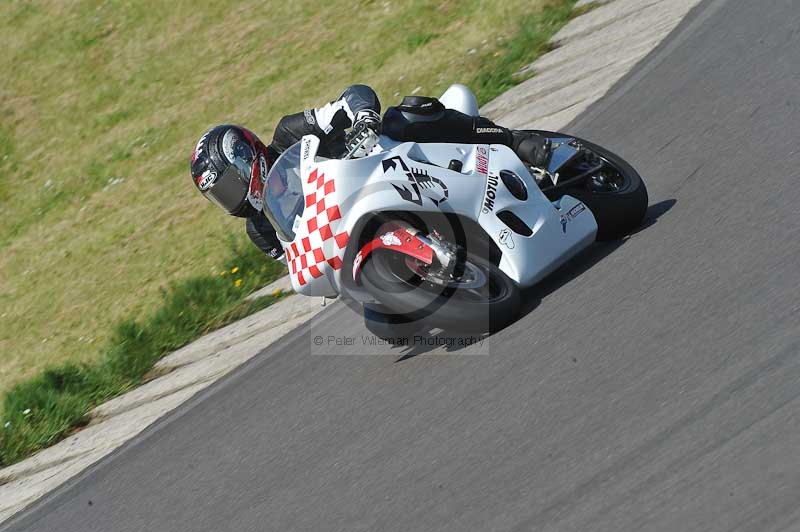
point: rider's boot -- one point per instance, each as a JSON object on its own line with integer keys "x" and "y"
{"x": 532, "y": 149}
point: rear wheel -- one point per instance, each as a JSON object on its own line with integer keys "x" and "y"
{"x": 615, "y": 194}
{"x": 481, "y": 299}
{"x": 611, "y": 188}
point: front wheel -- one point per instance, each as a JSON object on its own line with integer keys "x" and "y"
{"x": 482, "y": 299}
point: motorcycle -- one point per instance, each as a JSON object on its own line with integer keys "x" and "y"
{"x": 446, "y": 233}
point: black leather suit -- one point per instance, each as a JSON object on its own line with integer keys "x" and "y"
{"x": 330, "y": 122}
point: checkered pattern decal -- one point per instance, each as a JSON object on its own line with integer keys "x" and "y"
{"x": 322, "y": 246}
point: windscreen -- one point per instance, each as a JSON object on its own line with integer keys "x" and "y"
{"x": 283, "y": 193}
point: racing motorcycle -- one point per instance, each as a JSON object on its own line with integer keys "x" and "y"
{"x": 445, "y": 233}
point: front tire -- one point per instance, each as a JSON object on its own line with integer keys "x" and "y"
{"x": 394, "y": 328}
{"x": 485, "y": 308}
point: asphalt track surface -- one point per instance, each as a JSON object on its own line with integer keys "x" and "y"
{"x": 653, "y": 385}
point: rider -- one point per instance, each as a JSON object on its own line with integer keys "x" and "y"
{"x": 229, "y": 163}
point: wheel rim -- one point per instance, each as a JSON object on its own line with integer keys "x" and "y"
{"x": 609, "y": 179}
{"x": 472, "y": 277}
{"x": 476, "y": 284}
{"x": 490, "y": 290}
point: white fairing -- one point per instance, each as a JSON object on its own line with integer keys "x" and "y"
{"x": 341, "y": 193}
{"x": 560, "y": 229}
{"x": 460, "y": 98}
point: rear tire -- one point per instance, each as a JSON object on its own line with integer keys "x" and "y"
{"x": 617, "y": 212}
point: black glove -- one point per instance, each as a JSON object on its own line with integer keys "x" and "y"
{"x": 263, "y": 236}
{"x": 532, "y": 148}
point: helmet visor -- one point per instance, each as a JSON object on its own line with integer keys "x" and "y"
{"x": 229, "y": 190}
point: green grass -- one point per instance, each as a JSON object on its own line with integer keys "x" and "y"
{"x": 105, "y": 103}
{"x": 531, "y": 40}
{"x": 43, "y": 410}
{"x": 416, "y": 40}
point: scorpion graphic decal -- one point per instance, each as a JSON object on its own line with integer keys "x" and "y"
{"x": 421, "y": 183}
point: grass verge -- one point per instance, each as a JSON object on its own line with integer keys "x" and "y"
{"x": 531, "y": 40}
{"x": 108, "y": 98}
{"x": 40, "y": 411}
{"x": 45, "y": 409}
